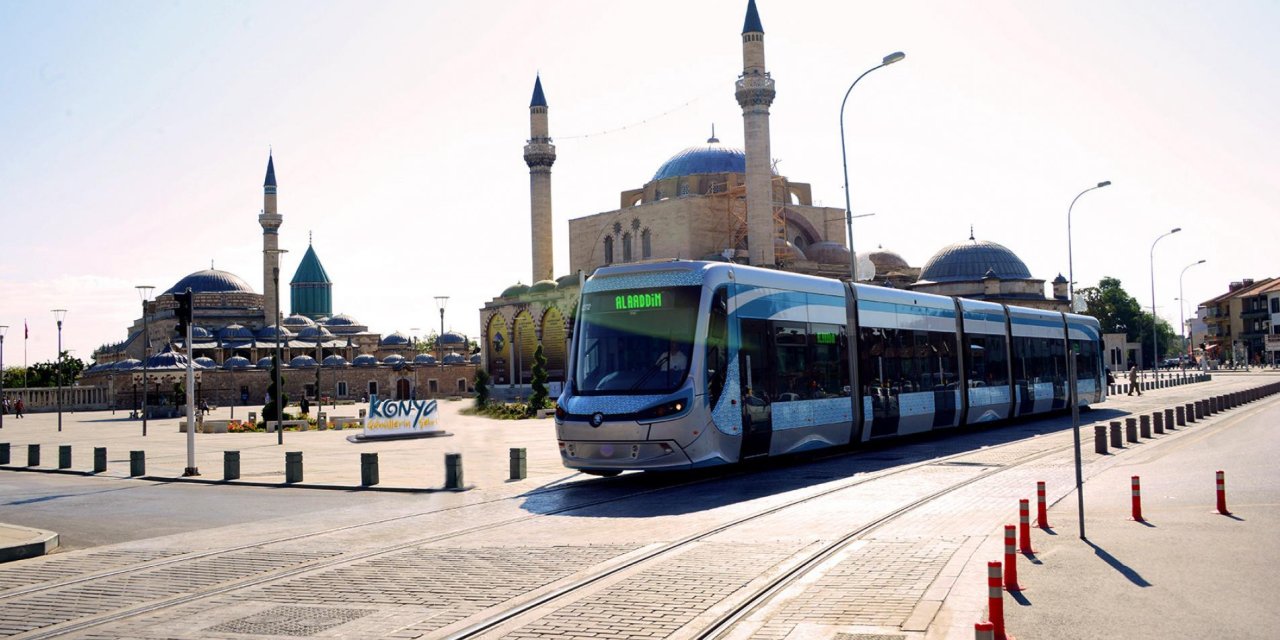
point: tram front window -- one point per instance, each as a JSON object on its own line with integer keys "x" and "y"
{"x": 636, "y": 341}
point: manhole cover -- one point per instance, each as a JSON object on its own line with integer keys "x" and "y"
{"x": 292, "y": 621}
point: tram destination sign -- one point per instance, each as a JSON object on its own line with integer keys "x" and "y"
{"x": 638, "y": 301}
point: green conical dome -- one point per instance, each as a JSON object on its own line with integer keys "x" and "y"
{"x": 310, "y": 291}
{"x": 310, "y": 271}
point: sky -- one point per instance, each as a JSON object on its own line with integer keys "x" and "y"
{"x": 135, "y": 138}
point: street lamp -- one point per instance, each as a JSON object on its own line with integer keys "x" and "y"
{"x": 441, "y": 301}
{"x": 1182, "y": 305}
{"x": 1155, "y": 336}
{"x": 59, "y": 314}
{"x": 1071, "y": 275}
{"x": 3, "y": 329}
{"x": 844, "y": 157}
{"x": 275, "y": 280}
{"x": 144, "y": 292}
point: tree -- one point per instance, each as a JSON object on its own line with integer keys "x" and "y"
{"x": 45, "y": 374}
{"x": 1119, "y": 312}
{"x": 482, "y": 388}
{"x": 539, "y": 398}
{"x": 277, "y": 397}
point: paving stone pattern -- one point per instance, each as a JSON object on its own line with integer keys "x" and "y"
{"x": 460, "y": 581}
{"x": 292, "y": 621}
{"x": 60, "y": 567}
{"x": 661, "y": 600}
{"x": 96, "y": 597}
{"x": 878, "y": 585}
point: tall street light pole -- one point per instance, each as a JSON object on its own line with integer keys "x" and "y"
{"x": 844, "y": 158}
{"x": 279, "y": 322}
{"x": 3, "y": 329}
{"x": 1182, "y": 307}
{"x": 1155, "y": 336}
{"x": 144, "y": 292}
{"x": 441, "y": 301}
{"x": 1073, "y": 383}
{"x": 59, "y": 314}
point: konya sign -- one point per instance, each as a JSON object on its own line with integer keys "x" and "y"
{"x": 400, "y": 417}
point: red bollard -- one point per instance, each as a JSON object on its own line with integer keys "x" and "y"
{"x": 1024, "y": 526}
{"x": 995, "y": 599}
{"x": 1222, "y": 494}
{"x": 1137, "y": 501}
{"x": 984, "y": 631}
{"x": 1042, "y": 515}
{"x": 1010, "y": 561}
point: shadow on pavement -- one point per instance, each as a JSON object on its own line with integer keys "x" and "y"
{"x": 1128, "y": 573}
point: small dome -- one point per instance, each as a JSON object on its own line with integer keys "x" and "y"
{"x": 451, "y": 338}
{"x": 969, "y": 260}
{"x": 827, "y": 252}
{"x": 168, "y": 359}
{"x": 207, "y": 363}
{"x": 475, "y": 358}
{"x": 424, "y": 358}
{"x": 887, "y": 261}
{"x": 454, "y": 358}
{"x": 570, "y": 280}
{"x": 365, "y": 360}
{"x": 1059, "y": 279}
{"x": 264, "y": 363}
{"x": 235, "y": 333}
{"x": 312, "y": 333}
{"x": 514, "y": 290}
{"x": 322, "y": 320}
{"x": 237, "y": 362}
{"x": 296, "y": 321}
{"x": 784, "y": 250}
{"x": 335, "y": 360}
{"x": 269, "y": 332}
{"x": 543, "y": 285}
{"x": 125, "y": 365}
{"x": 302, "y": 362}
{"x": 340, "y": 320}
{"x": 200, "y": 333}
{"x": 395, "y": 339}
{"x": 394, "y": 358}
{"x": 211, "y": 281}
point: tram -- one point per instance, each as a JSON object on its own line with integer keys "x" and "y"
{"x": 689, "y": 364}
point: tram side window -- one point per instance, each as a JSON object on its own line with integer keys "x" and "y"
{"x": 791, "y": 360}
{"x": 988, "y": 361}
{"x": 1038, "y": 360}
{"x": 894, "y": 361}
{"x": 1086, "y": 360}
{"x": 829, "y": 360}
{"x": 1057, "y": 369}
{"x": 717, "y": 343}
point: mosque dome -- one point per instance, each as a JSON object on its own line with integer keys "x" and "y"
{"x": 168, "y": 359}
{"x": 543, "y": 285}
{"x": 784, "y": 250}
{"x": 237, "y": 362}
{"x": 269, "y": 332}
{"x": 208, "y": 363}
{"x": 311, "y": 333}
{"x": 264, "y": 363}
{"x": 234, "y": 333}
{"x": 365, "y": 360}
{"x": 970, "y": 260}
{"x": 125, "y": 365}
{"x": 454, "y": 358}
{"x": 200, "y": 333}
{"x": 424, "y": 358}
{"x": 395, "y": 339}
{"x": 827, "y": 252}
{"x": 887, "y": 261}
{"x": 302, "y": 362}
{"x": 296, "y": 321}
{"x": 211, "y": 281}
{"x": 475, "y": 358}
{"x": 515, "y": 290}
{"x": 335, "y": 360}
{"x": 394, "y": 358}
{"x": 570, "y": 280}
{"x": 343, "y": 323}
{"x": 451, "y": 338}
{"x": 711, "y": 157}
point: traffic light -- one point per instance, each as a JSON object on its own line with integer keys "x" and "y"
{"x": 183, "y": 312}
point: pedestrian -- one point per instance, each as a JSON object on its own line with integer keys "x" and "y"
{"x": 18, "y": 407}
{"x": 305, "y": 406}
{"x": 1133, "y": 379}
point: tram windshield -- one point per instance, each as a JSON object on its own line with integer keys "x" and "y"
{"x": 636, "y": 341}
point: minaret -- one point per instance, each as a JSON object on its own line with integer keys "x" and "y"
{"x": 270, "y": 221}
{"x": 540, "y": 154}
{"x": 755, "y": 94}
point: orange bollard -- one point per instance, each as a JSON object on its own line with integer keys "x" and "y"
{"x": 1137, "y": 501}
{"x": 1222, "y": 494}
{"x": 984, "y": 631}
{"x": 1010, "y": 561}
{"x": 1042, "y": 515}
{"x": 995, "y": 599}
{"x": 1024, "y": 526}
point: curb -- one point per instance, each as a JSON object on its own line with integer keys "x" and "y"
{"x": 242, "y": 483}
{"x": 42, "y": 542}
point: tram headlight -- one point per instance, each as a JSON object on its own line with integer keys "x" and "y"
{"x": 664, "y": 410}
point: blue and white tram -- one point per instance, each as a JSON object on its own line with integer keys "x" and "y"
{"x": 689, "y": 364}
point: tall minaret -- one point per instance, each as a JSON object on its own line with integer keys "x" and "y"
{"x": 540, "y": 154}
{"x": 755, "y": 94}
{"x": 270, "y": 221}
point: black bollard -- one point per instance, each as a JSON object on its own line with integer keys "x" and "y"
{"x": 230, "y": 465}
{"x": 292, "y": 467}
{"x": 1157, "y": 422}
{"x": 1100, "y": 439}
{"x": 1117, "y": 440}
{"x": 453, "y": 470}
{"x": 519, "y": 463}
{"x": 368, "y": 469}
{"x": 1168, "y": 419}
{"x": 4, "y": 453}
{"x": 99, "y": 459}
{"x": 64, "y": 456}
{"x": 137, "y": 463}
{"x": 1144, "y": 425}
{"x": 1180, "y": 417}
{"x": 1131, "y": 429}
{"x": 33, "y": 455}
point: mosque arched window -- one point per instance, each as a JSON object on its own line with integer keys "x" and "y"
{"x": 626, "y": 247}
{"x": 646, "y": 244}
{"x": 608, "y": 250}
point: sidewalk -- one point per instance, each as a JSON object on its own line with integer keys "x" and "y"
{"x": 17, "y": 543}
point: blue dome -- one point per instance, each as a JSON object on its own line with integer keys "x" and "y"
{"x": 200, "y": 333}
{"x": 264, "y": 363}
{"x": 341, "y": 320}
{"x": 335, "y": 361}
{"x": 454, "y": 358}
{"x": 475, "y": 358}
{"x": 970, "y": 260}
{"x": 211, "y": 281}
{"x": 451, "y": 338}
{"x": 125, "y": 365}
{"x": 235, "y": 333}
{"x": 365, "y": 360}
{"x": 424, "y": 358}
{"x": 269, "y": 333}
{"x": 711, "y": 157}
{"x": 394, "y": 358}
{"x": 396, "y": 338}
{"x": 237, "y": 362}
{"x": 311, "y": 333}
{"x": 302, "y": 362}
{"x": 296, "y": 320}
{"x": 208, "y": 363}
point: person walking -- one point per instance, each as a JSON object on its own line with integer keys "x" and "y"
{"x": 18, "y": 407}
{"x": 1133, "y": 379}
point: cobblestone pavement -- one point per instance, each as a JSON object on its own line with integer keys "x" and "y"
{"x": 431, "y": 573}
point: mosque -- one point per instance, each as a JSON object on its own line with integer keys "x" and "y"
{"x": 714, "y": 202}
{"x": 235, "y": 329}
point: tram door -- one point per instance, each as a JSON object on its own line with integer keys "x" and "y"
{"x": 757, "y": 401}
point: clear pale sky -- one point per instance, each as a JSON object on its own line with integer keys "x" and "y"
{"x": 135, "y": 138}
